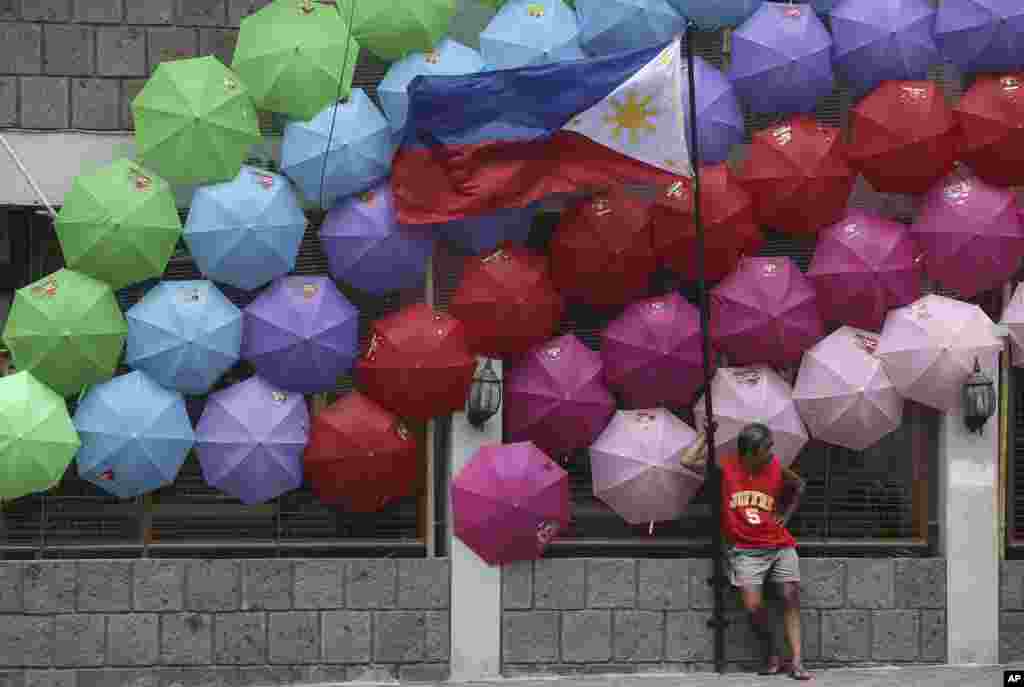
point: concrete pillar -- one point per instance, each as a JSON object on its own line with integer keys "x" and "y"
{"x": 476, "y": 586}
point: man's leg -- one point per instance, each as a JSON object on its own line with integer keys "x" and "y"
{"x": 786, "y": 573}
{"x": 748, "y": 571}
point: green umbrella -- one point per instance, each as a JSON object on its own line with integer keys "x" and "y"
{"x": 195, "y": 121}
{"x": 67, "y": 330}
{"x": 290, "y": 56}
{"x": 37, "y": 438}
{"x": 391, "y": 29}
{"x": 119, "y": 224}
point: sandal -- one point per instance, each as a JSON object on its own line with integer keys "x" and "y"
{"x": 772, "y": 667}
{"x": 798, "y": 672}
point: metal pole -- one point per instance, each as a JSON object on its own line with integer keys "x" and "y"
{"x": 28, "y": 176}
{"x": 713, "y": 478}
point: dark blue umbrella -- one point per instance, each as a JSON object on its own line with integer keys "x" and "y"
{"x": 981, "y": 35}
{"x": 610, "y": 26}
{"x": 477, "y": 235}
{"x": 719, "y": 117}
{"x": 716, "y": 14}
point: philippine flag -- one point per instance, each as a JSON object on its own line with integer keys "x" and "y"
{"x": 476, "y": 144}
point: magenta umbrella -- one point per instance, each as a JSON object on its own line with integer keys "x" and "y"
{"x": 652, "y": 352}
{"x": 765, "y": 313}
{"x": 556, "y": 397}
{"x": 509, "y": 502}
{"x": 971, "y": 234}
{"x": 863, "y": 266}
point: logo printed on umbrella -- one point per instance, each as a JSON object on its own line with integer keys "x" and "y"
{"x": 367, "y": 197}
{"x": 47, "y": 288}
{"x": 914, "y": 93}
{"x": 505, "y": 257}
{"x": 1010, "y": 84}
{"x": 371, "y": 350}
{"x": 230, "y": 83}
{"x": 919, "y": 311}
{"x": 644, "y": 418}
{"x": 783, "y": 134}
{"x": 771, "y": 269}
{"x": 191, "y": 295}
{"x": 957, "y": 192}
{"x": 265, "y": 180}
{"x": 852, "y": 230}
{"x": 547, "y": 530}
{"x": 866, "y": 342}
{"x": 432, "y": 57}
{"x": 748, "y": 377}
{"x": 309, "y": 290}
{"x": 554, "y": 352}
{"x": 279, "y": 396}
{"x": 107, "y": 475}
{"x": 793, "y": 12}
{"x": 535, "y": 10}
{"x": 601, "y": 207}
{"x": 677, "y": 191}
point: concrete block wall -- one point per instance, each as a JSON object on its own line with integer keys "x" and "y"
{"x": 650, "y": 615}
{"x": 163, "y": 622}
{"x": 1011, "y": 612}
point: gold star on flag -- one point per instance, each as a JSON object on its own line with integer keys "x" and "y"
{"x": 631, "y": 116}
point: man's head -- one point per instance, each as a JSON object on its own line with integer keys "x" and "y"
{"x": 755, "y": 445}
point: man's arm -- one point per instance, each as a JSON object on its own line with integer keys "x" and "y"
{"x": 695, "y": 456}
{"x": 793, "y": 486}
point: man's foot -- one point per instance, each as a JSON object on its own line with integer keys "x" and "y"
{"x": 798, "y": 672}
{"x": 771, "y": 667}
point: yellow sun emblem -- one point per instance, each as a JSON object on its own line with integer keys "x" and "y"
{"x": 631, "y": 116}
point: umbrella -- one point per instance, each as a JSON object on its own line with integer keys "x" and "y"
{"x": 843, "y": 393}
{"x": 602, "y": 253}
{"x": 37, "y": 439}
{"x": 611, "y": 26}
{"x": 361, "y": 456}
{"x": 991, "y": 118}
{"x": 903, "y": 137}
{"x": 67, "y": 330}
{"x": 507, "y": 302}
{"x": 367, "y": 247}
{"x": 798, "y": 175}
{"x": 301, "y": 334}
{"x": 509, "y": 502}
{"x": 636, "y": 467}
{"x": 194, "y": 121}
{"x": 1013, "y": 320}
{"x": 291, "y": 54}
{"x": 555, "y": 397}
{"x": 250, "y": 440}
{"x": 716, "y": 14}
{"x": 483, "y": 234}
{"x": 929, "y": 348}
{"x": 391, "y": 29}
{"x": 247, "y": 232}
{"x": 981, "y": 35}
{"x": 355, "y": 139}
{"x": 782, "y": 59}
{"x": 720, "y": 123}
{"x": 652, "y": 352}
{"x": 135, "y": 435}
{"x": 447, "y": 59}
{"x": 765, "y": 312}
{"x": 883, "y": 40}
{"x": 971, "y": 233}
{"x": 862, "y": 267}
{"x": 418, "y": 363}
{"x": 531, "y": 32}
{"x": 184, "y": 334}
{"x": 727, "y": 211}
{"x": 119, "y": 225}
{"x": 742, "y": 395}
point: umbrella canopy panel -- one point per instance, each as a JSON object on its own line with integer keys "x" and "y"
{"x": 720, "y": 123}
{"x": 981, "y": 35}
{"x": 611, "y": 26}
{"x": 391, "y": 29}
{"x": 991, "y": 118}
{"x": 716, "y": 14}
{"x": 531, "y": 32}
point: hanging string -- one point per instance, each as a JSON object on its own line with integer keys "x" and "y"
{"x": 341, "y": 85}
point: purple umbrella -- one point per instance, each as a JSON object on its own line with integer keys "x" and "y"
{"x": 782, "y": 59}
{"x": 250, "y": 441}
{"x": 556, "y": 397}
{"x": 883, "y": 40}
{"x": 478, "y": 235}
{"x": 301, "y": 334}
{"x": 719, "y": 118}
{"x": 367, "y": 248}
{"x": 981, "y": 35}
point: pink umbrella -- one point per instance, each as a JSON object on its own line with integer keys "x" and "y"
{"x": 509, "y": 502}
{"x": 929, "y": 347}
{"x": 742, "y": 395}
{"x": 636, "y": 469}
{"x": 843, "y": 393}
{"x": 1013, "y": 320}
{"x": 652, "y": 352}
{"x": 765, "y": 313}
{"x": 971, "y": 233}
{"x": 556, "y": 397}
{"x": 863, "y": 266}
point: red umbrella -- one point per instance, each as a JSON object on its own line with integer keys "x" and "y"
{"x": 798, "y": 174}
{"x": 361, "y": 456}
{"x": 903, "y": 137}
{"x": 602, "y": 252}
{"x": 418, "y": 363}
{"x": 507, "y": 302}
{"x": 727, "y": 211}
{"x": 991, "y": 117}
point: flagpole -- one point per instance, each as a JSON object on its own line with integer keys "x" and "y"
{"x": 713, "y": 477}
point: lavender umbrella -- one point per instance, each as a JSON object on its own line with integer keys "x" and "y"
{"x": 719, "y": 117}
{"x": 250, "y": 440}
{"x": 301, "y": 334}
{"x": 782, "y": 59}
{"x": 981, "y": 35}
{"x": 478, "y": 235}
{"x": 367, "y": 248}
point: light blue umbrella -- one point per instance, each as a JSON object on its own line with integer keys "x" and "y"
{"x": 531, "y": 32}
{"x": 449, "y": 58}
{"x": 184, "y": 334}
{"x": 610, "y": 26}
{"x": 135, "y": 435}
{"x": 246, "y": 232}
{"x": 356, "y": 140}
{"x": 716, "y": 14}
{"x": 478, "y": 235}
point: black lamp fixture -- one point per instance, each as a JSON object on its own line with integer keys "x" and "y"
{"x": 979, "y": 399}
{"x": 484, "y": 395}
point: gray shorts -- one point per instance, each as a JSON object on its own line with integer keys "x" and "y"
{"x": 751, "y": 567}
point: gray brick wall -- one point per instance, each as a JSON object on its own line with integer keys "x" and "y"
{"x": 650, "y": 615}
{"x": 158, "y": 623}
{"x": 1011, "y": 616}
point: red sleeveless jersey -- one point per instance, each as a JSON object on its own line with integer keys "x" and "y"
{"x": 749, "y": 506}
